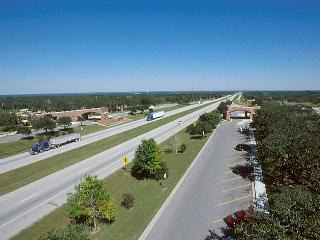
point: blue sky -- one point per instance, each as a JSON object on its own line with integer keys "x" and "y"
{"x": 89, "y": 46}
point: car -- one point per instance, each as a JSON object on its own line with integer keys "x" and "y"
{"x": 235, "y": 218}
{"x": 242, "y": 147}
{"x": 180, "y": 122}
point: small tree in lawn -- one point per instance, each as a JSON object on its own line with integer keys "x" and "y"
{"x": 64, "y": 121}
{"x": 90, "y": 203}
{"x": 203, "y": 128}
{"x": 176, "y": 143}
{"x": 81, "y": 120}
{"x": 21, "y": 129}
{"x": 45, "y": 122}
{"x": 148, "y": 160}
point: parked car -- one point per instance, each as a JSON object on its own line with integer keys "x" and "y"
{"x": 235, "y": 218}
{"x": 243, "y": 147}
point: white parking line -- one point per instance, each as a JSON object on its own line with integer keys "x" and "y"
{"x": 231, "y": 189}
{"x": 232, "y": 179}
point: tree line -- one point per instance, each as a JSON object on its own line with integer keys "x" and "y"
{"x": 302, "y": 97}
{"x": 288, "y": 150}
{"x": 111, "y": 100}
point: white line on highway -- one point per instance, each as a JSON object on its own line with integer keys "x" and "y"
{"x": 23, "y": 200}
{"x": 34, "y": 207}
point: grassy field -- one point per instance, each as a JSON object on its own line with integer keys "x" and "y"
{"x": 20, "y": 146}
{"x": 15, "y": 147}
{"x": 89, "y": 129}
{"x": 19, "y": 177}
{"x": 149, "y": 196}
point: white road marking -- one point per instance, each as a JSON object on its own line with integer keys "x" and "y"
{"x": 232, "y": 179}
{"x": 23, "y": 200}
{"x": 231, "y": 189}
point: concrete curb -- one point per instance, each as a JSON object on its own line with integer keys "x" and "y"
{"x": 146, "y": 232}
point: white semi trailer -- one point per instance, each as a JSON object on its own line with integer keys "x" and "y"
{"x": 41, "y": 146}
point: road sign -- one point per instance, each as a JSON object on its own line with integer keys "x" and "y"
{"x": 125, "y": 160}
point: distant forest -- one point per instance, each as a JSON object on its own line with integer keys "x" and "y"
{"x": 303, "y": 97}
{"x": 65, "y": 102}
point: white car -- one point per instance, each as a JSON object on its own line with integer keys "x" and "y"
{"x": 180, "y": 122}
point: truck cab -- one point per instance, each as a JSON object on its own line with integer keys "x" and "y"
{"x": 40, "y": 146}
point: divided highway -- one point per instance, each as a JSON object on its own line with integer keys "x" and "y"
{"x": 23, "y": 159}
{"x": 28, "y": 204}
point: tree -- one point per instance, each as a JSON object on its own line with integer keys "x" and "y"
{"x": 90, "y": 203}
{"x": 65, "y": 121}
{"x": 71, "y": 232}
{"x": 202, "y": 128}
{"x": 148, "y": 160}
{"x": 45, "y": 122}
{"x": 22, "y": 129}
{"x": 294, "y": 214}
{"x": 223, "y": 106}
{"x": 213, "y": 118}
{"x": 176, "y": 143}
{"x": 8, "y": 118}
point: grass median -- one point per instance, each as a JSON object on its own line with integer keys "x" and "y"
{"x": 22, "y": 176}
{"x": 149, "y": 195}
{"x": 23, "y": 145}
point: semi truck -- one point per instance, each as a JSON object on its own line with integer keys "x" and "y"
{"x": 154, "y": 115}
{"x": 56, "y": 142}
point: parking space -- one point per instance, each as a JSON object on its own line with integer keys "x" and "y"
{"x": 235, "y": 183}
{"x": 217, "y": 185}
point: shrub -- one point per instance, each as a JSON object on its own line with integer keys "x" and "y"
{"x": 72, "y": 232}
{"x": 190, "y": 129}
{"x": 127, "y": 200}
{"x": 182, "y": 148}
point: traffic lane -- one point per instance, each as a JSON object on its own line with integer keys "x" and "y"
{"x": 199, "y": 200}
{"x": 22, "y": 212}
{"x": 20, "y": 160}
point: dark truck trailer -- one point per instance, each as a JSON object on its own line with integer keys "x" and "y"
{"x": 41, "y": 146}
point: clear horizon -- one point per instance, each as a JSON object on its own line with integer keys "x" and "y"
{"x": 120, "y": 46}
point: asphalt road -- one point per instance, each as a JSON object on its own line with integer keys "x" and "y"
{"x": 31, "y": 202}
{"x": 209, "y": 192}
{"x": 23, "y": 159}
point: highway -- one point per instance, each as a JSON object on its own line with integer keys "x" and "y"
{"x": 209, "y": 192}
{"x": 23, "y": 159}
{"x": 31, "y": 202}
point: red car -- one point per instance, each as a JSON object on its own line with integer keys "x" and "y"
{"x": 235, "y": 218}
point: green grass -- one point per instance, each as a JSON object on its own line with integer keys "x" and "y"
{"x": 20, "y": 146}
{"x": 89, "y": 129}
{"x": 19, "y": 177}
{"x": 15, "y": 147}
{"x": 149, "y": 196}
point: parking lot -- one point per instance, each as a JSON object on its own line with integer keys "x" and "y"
{"x": 217, "y": 185}
{"x": 235, "y": 183}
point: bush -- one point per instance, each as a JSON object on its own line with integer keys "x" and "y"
{"x": 10, "y": 128}
{"x": 163, "y": 170}
{"x": 72, "y": 232}
{"x": 148, "y": 160}
{"x": 190, "y": 129}
{"x": 127, "y": 200}
{"x": 182, "y": 148}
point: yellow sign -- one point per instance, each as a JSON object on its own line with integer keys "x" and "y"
{"x": 126, "y": 160}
